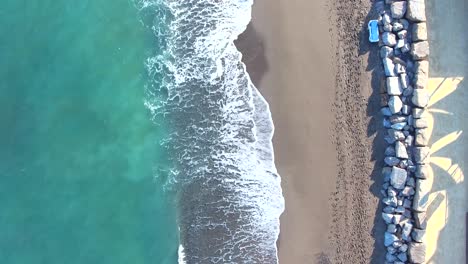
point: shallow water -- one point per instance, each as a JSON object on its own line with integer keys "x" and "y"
{"x": 78, "y": 150}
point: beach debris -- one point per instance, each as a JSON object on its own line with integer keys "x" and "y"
{"x": 417, "y": 253}
{"x": 398, "y": 9}
{"x": 416, "y": 10}
{"x": 420, "y": 50}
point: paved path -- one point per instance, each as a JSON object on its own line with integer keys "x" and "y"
{"x": 449, "y": 111}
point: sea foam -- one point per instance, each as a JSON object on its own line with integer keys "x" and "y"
{"x": 229, "y": 195}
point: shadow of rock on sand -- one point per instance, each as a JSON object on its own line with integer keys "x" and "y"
{"x": 253, "y": 54}
{"x": 375, "y": 128}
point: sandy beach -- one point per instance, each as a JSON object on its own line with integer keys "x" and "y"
{"x": 310, "y": 60}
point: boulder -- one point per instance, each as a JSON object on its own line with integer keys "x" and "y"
{"x": 417, "y": 253}
{"x": 398, "y": 9}
{"x": 395, "y": 104}
{"x": 391, "y": 161}
{"x": 416, "y": 10}
{"x": 390, "y": 258}
{"x": 404, "y": 80}
{"x": 390, "y": 151}
{"x": 419, "y": 50}
{"x": 386, "y": 19}
{"x": 404, "y": 248}
{"x": 406, "y": 232}
{"x": 398, "y": 126}
{"x": 406, "y": 110}
{"x": 420, "y": 98}
{"x": 421, "y": 123}
{"x": 398, "y": 178}
{"x": 418, "y": 235}
{"x": 391, "y": 228}
{"x": 421, "y": 196}
{"x": 389, "y": 239}
{"x": 421, "y": 137}
{"x": 406, "y": 48}
{"x": 423, "y": 171}
{"x": 400, "y": 150}
{"x": 389, "y": 67}
{"x": 386, "y": 111}
{"x": 386, "y": 52}
{"x": 420, "y": 220}
{"x": 398, "y": 119}
{"x": 403, "y": 257}
{"x": 407, "y": 192}
{"x": 408, "y": 91}
{"x": 389, "y": 39}
{"x": 420, "y": 112}
{"x": 421, "y": 75}
{"x": 402, "y": 34}
{"x": 396, "y": 27}
{"x": 387, "y": 218}
{"x": 422, "y": 155}
{"x": 395, "y": 134}
{"x": 419, "y": 32}
{"x": 394, "y": 86}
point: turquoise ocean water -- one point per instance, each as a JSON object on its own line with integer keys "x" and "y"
{"x": 78, "y": 150}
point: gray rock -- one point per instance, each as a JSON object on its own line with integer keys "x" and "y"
{"x": 421, "y": 197}
{"x": 406, "y": 203}
{"x": 417, "y": 253}
{"x": 389, "y": 67}
{"x": 389, "y": 239}
{"x": 419, "y": 50}
{"x": 390, "y": 151}
{"x": 416, "y": 10}
{"x": 398, "y": 9}
{"x": 402, "y": 34}
{"x": 406, "y": 110}
{"x": 387, "y": 218}
{"x": 398, "y": 178}
{"x": 397, "y": 219}
{"x": 419, "y": 31}
{"x": 405, "y": 23}
{"x": 387, "y": 124}
{"x": 411, "y": 182}
{"x": 390, "y": 201}
{"x": 403, "y": 248}
{"x": 400, "y": 68}
{"x": 408, "y": 91}
{"x": 400, "y": 150}
{"x": 386, "y": 19}
{"x": 398, "y": 119}
{"x": 421, "y": 74}
{"x": 387, "y": 27}
{"x": 404, "y": 80}
{"x": 386, "y": 111}
{"x": 389, "y": 209}
{"x": 398, "y": 126}
{"x": 391, "y": 161}
{"x": 389, "y": 39}
{"x": 397, "y": 27}
{"x": 400, "y": 209}
{"x": 421, "y": 123}
{"x": 423, "y": 171}
{"x": 421, "y": 155}
{"x": 392, "y": 192}
{"x": 421, "y": 137}
{"x": 407, "y": 192}
{"x": 390, "y": 258}
{"x": 391, "y": 228}
{"x": 403, "y": 257}
{"x": 418, "y": 235}
{"x": 420, "y": 97}
{"x": 420, "y": 220}
{"x": 395, "y": 104}
{"x": 400, "y": 43}
{"x": 406, "y": 48}
{"x": 391, "y": 249}
{"x": 394, "y": 86}
{"x": 386, "y": 52}
{"x": 420, "y": 112}
{"x": 395, "y": 134}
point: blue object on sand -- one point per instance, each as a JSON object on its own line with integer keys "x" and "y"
{"x": 373, "y": 31}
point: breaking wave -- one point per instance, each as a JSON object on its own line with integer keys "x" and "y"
{"x": 220, "y": 132}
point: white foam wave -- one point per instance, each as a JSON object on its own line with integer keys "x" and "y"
{"x": 221, "y": 134}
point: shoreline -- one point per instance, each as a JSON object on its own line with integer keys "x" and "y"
{"x": 283, "y": 64}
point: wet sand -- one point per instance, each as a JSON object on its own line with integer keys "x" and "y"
{"x": 317, "y": 78}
